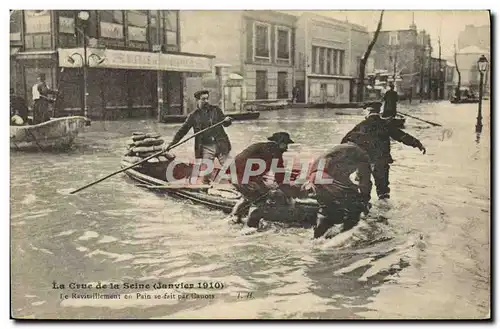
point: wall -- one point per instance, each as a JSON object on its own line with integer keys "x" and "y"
{"x": 213, "y": 32}
{"x": 337, "y": 91}
{"x": 467, "y": 64}
{"x": 359, "y": 42}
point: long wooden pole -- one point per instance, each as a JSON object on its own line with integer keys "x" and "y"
{"x": 149, "y": 157}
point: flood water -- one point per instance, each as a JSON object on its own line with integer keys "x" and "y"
{"x": 425, "y": 254}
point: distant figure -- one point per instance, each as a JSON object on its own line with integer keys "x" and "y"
{"x": 390, "y": 102}
{"x": 295, "y": 94}
{"x": 41, "y": 100}
{"x": 410, "y": 96}
{"x": 18, "y": 108}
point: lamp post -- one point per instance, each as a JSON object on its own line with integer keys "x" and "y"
{"x": 482, "y": 65}
{"x": 84, "y": 16}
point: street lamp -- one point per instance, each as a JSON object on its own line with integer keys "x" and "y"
{"x": 482, "y": 65}
{"x": 84, "y": 16}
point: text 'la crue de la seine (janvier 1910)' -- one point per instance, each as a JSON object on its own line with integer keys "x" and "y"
{"x": 110, "y": 290}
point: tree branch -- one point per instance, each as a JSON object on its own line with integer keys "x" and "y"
{"x": 364, "y": 59}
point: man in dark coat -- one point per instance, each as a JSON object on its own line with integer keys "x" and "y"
{"x": 340, "y": 200}
{"x": 390, "y": 102}
{"x": 380, "y": 132}
{"x": 253, "y": 188}
{"x": 41, "y": 100}
{"x": 213, "y": 143}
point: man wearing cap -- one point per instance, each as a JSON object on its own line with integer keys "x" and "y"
{"x": 340, "y": 200}
{"x": 380, "y": 131}
{"x": 40, "y": 93}
{"x": 214, "y": 143}
{"x": 390, "y": 102}
{"x": 253, "y": 187}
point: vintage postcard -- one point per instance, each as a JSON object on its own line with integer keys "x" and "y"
{"x": 250, "y": 164}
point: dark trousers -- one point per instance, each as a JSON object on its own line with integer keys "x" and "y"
{"x": 41, "y": 111}
{"x": 336, "y": 213}
{"x": 381, "y": 176}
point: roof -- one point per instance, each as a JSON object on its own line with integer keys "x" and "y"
{"x": 473, "y": 50}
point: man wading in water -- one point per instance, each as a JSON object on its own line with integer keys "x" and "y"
{"x": 252, "y": 164}
{"x": 340, "y": 200}
{"x": 380, "y": 132}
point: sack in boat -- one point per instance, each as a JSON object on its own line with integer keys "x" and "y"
{"x": 132, "y": 159}
{"x": 149, "y": 142}
{"x": 138, "y": 133}
{"x": 142, "y": 149}
{"x": 153, "y": 160}
{"x": 148, "y": 135}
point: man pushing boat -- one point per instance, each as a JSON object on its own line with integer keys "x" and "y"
{"x": 251, "y": 166}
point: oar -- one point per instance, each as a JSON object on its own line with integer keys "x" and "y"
{"x": 429, "y": 122}
{"x": 151, "y": 156}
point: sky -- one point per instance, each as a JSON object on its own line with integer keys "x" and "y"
{"x": 447, "y": 23}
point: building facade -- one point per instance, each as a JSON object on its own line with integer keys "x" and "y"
{"x": 127, "y": 53}
{"x": 478, "y": 36}
{"x": 328, "y": 52}
{"x": 407, "y": 54}
{"x": 467, "y": 59}
{"x": 254, "y": 47}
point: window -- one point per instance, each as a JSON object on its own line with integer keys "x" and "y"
{"x": 283, "y": 39}
{"x": 170, "y": 26}
{"x": 329, "y": 61}
{"x": 335, "y": 61}
{"x": 282, "y": 85}
{"x": 137, "y": 25}
{"x": 15, "y": 25}
{"x": 153, "y": 34}
{"x": 314, "y": 59}
{"x": 261, "y": 84}
{"x": 111, "y": 23}
{"x": 322, "y": 60}
{"x": 341, "y": 62}
{"x": 37, "y": 29}
{"x": 262, "y": 40}
{"x": 393, "y": 38}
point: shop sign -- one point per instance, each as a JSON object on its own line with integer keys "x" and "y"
{"x": 136, "y": 60}
{"x": 66, "y": 24}
{"x": 111, "y": 30}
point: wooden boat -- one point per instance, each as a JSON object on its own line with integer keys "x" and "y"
{"x": 239, "y": 116}
{"x": 223, "y": 196}
{"x": 464, "y": 101}
{"x": 57, "y": 133}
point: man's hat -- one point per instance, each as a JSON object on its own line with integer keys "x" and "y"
{"x": 198, "y": 94}
{"x": 281, "y": 136}
{"x": 373, "y": 107}
{"x": 41, "y": 75}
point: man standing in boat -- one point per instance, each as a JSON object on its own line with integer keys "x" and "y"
{"x": 340, "y": 200}
{"x": 253, "y": 187}
{"x": 390, "y": 102}
{"x": 213, "y": 143}
{"x": 41, "y": 100}
{"x": 381, "y": 131}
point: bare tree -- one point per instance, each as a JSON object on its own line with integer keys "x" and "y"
{"x": 364, "y": 59}
{"x": 457, "y": 91}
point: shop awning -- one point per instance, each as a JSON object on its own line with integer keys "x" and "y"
{"x": 123, "y": 59}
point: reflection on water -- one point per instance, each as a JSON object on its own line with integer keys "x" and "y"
{"x": 431, "y": 240}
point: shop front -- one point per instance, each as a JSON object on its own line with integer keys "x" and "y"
{"x": 124, "y": 83}
{"x": 326, "y": 89}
